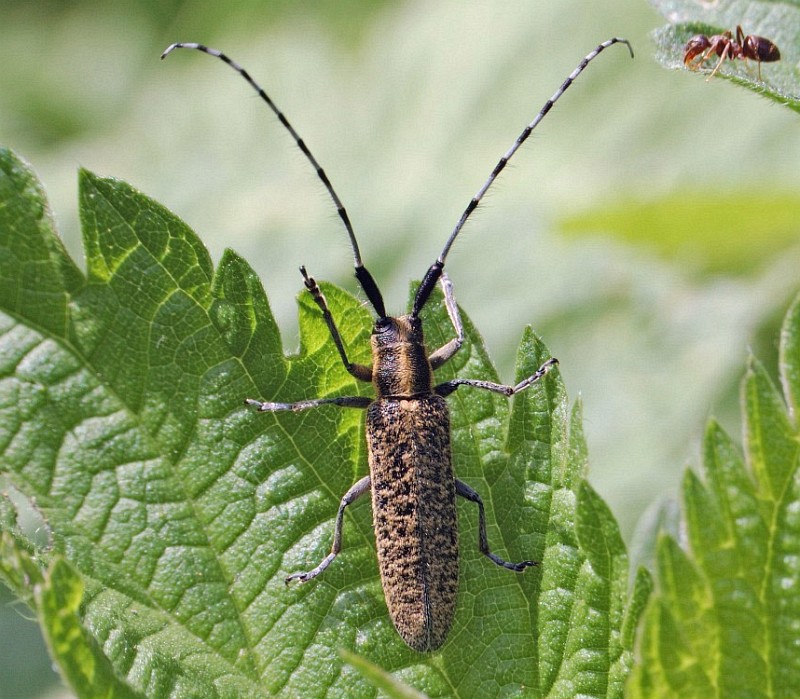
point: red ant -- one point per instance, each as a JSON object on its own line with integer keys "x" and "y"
{"x": 751, "y": 46}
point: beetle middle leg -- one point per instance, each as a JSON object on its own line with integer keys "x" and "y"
{"x": 341, "y": 401}
{"x": 465, "y": 491}
{"x": 446, "y": 388}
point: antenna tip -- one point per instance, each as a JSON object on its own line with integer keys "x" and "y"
{"x": 627, "y": 43}
{"x": 185, "y": 45}
{"x": 169, "y": 50}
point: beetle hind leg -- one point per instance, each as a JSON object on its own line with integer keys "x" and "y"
{"x": 468, "y": 493}
{"x": 361, "y": 487}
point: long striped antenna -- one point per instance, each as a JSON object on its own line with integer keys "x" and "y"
{"x": 362, "y": 274}
{"x": 435, "y": 270}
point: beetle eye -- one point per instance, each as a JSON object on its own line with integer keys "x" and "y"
{"x": 382, "y": 325}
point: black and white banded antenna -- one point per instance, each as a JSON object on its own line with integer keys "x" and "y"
{"x": 362, "y": 274}
{"x": 435, "y": 270}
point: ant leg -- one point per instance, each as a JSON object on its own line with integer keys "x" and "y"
{"x": 361, "y": 487}
{"x": 445, "y": 352}
{"x": 468, "y": 493}
{"x": 726, "y": 52}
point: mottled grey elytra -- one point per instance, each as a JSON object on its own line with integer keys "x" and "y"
{"x": 411, "y": 474}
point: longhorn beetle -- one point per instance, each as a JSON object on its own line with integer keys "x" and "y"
{"x": 408, "y": 424}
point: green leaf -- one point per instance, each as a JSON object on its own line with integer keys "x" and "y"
{"x": 175, "y": 512}
{"x": 381, "y": 679}
{"x": 18, "y": 569}
{"x": 695, "y": 228}
{"x": 727, "y": 608}
{"x": 84, "y": 665}
{"x": 8, "y": 514}
{"x": 777, "y": 21}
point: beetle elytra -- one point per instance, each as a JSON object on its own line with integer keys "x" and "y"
{"x": 411, "y": 476}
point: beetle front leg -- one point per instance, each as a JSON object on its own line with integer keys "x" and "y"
{"x": 359, "y": 371}
{"x": 445, "y": 352}
{"x": 350, "y": 496}
{"x": 465, "y": 491}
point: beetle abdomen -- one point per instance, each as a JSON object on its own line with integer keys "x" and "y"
{"x": 414, "y": 512}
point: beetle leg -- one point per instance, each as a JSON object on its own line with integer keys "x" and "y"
{"x": 342, "y": 401}
{"x": 465, "y": 491}
{"x": 359, "y": 371}
{"x": 445, "y": 352}
{"x": 446, "y": 388}
{"x": 350, "y": 496}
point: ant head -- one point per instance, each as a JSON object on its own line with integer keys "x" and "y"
{"x": 694, "y": 47}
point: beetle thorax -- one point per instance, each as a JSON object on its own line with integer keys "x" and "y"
{"x": 400, "y": 366}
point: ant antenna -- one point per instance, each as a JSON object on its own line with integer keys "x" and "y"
{"x": 435, "y": 270}
{"x": 365, "y": 279}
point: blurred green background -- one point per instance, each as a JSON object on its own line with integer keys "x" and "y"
{"x": 647, "y": 230}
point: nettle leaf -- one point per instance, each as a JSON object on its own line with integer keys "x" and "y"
{"x": 726, "y": 618}
{"x": 777, "y": 21}
{"x": 379, "y": 678}
{"x": 693, "y": 227}
{"x": 174, "y": 512}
